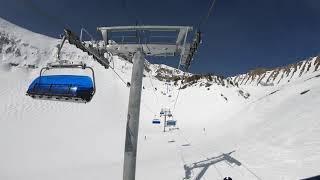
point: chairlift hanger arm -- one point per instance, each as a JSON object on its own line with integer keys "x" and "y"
{"x": 60, "y": 46}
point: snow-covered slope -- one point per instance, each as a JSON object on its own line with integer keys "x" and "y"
{"x": 273, "y": 130}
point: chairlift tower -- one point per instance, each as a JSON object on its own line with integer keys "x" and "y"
{"x": 136, "y": 42}
{"x": 165, "y": 113}
{"x": 133, "y": 43}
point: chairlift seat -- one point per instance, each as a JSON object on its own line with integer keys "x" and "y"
{"x": 156, "y": 121}
{"x": 62, "y": 87}
{"x": 171, "y": 123}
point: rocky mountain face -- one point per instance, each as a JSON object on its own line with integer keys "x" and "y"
{"x": 12, "y": 48}
{"x": 256, "y": 77}
{"x": 169, "y": 74}
{"x": 20, "y": 47}
{"x": 23, "y": 48}
{"x": 279, "y": 75}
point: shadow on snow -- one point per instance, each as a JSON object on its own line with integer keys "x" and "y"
{"x": 205, "y": 164}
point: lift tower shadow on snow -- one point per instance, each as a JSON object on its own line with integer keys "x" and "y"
{"x": 136, "y": 42}
{"x": 205, "y": 164}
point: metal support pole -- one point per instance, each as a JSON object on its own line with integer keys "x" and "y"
{"x": 165, "y": 119}
{"x": 60, "y": 46}
{"x": 129, "y": 167}
{"x": 165, "y": 122}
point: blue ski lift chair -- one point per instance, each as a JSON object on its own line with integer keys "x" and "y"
{"x": 75, "y": 88}
{"x": 171, "y": 123}
{"x": 156, "y": 121}
{"x": 161, "y": 113}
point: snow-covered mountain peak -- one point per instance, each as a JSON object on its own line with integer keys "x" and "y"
{"x": 279, "y": 75}
{"x": 23, "y": 48}
{"x": 29, "y": 37}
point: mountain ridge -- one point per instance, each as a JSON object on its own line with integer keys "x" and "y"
{"x": 21, "y": 47}
{"x": 267, "y": 77}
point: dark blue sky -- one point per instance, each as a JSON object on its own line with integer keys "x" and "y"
{"x": 240, "y": 34}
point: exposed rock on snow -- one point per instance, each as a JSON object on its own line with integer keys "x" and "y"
{"x": 280, "y": 75}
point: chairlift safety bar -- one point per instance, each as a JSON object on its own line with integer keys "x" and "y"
{"x": 62, "y": 66}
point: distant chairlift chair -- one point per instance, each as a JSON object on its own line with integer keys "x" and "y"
{"x": 74, "y": 88}
{"x": 156, "y": 121}
{"x": 171, "y": 123}
{"x": 161, "y": 112}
